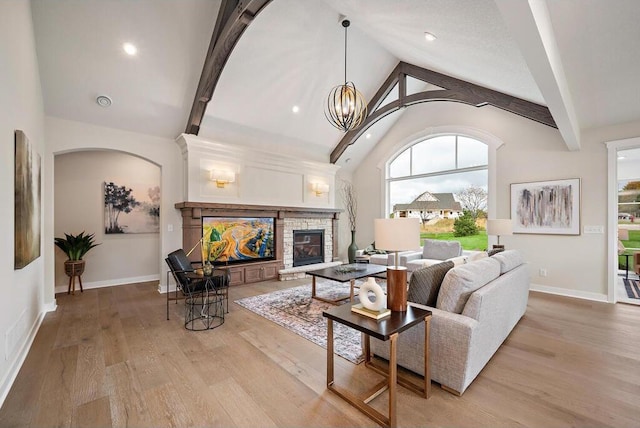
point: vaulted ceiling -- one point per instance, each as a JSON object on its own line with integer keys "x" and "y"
{"x": 577, "y": 57}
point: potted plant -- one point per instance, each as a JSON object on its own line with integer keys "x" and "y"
{"x": 75, "y": 247}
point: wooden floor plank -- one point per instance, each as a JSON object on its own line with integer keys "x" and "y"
{"x": 108, "y": 357}
{"x": 90, "y": 371}
{"x": 55, "y": 407}
{"x": 96, "y": 413}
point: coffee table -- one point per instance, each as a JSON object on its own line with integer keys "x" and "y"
{"x": 344, "y": 273}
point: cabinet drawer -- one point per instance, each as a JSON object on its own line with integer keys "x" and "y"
{"x": 253, "y": 274}
{"x": 237, "y": 276}
{"x": 270, "y": 272}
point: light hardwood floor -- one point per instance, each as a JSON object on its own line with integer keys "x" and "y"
{"x": 108, "y": 357}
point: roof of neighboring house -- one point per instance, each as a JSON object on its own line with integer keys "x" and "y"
{"x": 431, "y": 201}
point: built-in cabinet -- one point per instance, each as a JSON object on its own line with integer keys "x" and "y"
{"x": 254, "y": 272}
{"x": 244, "y": 273}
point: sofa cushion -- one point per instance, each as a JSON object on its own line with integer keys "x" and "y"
{"x": 509, "y": 260}
{"x": 425, "y": 283}
{"x": 463, "y": 280}
{"x": 441, "y": 250}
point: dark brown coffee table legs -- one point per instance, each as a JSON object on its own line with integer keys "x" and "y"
{"x": 332, "y": 301}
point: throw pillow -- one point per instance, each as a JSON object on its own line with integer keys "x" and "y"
{"x": 425, "y": 283}
{"x": 441, "y": 250}
{"x": 371, "y": 249}
{"x": 477, "y": 255}
{"x": 463, "y": 280}
{"x": 494, "y": 251}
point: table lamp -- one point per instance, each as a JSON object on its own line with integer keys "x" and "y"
{"x": 397, "y": 234}
{"x": 499, "y": 227}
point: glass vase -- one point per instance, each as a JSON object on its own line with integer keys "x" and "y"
{"x": 207, "y": 268}
{"x": 352, "y": 248}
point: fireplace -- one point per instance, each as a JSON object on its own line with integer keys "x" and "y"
{"x": 308, "y": 247}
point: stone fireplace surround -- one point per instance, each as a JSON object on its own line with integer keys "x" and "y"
{"x": 287, "y": 219}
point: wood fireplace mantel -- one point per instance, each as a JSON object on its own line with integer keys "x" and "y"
{"x": 192, "y": 213}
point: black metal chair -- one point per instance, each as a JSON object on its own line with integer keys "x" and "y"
{"x": 204, "y": 295}
{"x": 180, "y": 267}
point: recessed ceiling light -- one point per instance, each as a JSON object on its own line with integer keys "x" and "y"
{"x": 130, "y": 49}
{"x": 430, "y": 37}
{"x": 295, "y": 109}
{"x": 368, "y": 135}
{"x": 103, "y": 101}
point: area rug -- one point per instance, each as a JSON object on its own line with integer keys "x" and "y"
{"x": 633, "y": 290}
{"x": 295, "y": 310}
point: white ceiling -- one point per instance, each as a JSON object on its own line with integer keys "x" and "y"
{"x": 578, "y": 57}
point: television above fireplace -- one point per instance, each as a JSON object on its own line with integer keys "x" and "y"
{"x": 238, "y": 239}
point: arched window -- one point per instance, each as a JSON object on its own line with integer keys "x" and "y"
{"x": 423, "y": 179}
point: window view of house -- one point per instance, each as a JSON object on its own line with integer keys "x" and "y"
{"x": 442, "y": 181}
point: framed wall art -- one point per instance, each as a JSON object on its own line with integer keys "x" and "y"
{"x": 131, "y": 208}
{"x": 27, "y": 202}
{"x": 546, "y": 207}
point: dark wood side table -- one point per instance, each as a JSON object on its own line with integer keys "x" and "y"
{"x": 386, "y": 329}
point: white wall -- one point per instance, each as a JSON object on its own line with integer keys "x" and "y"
{"x": 23, "y": 304}
{"x": 79, "y": 206}
{"x": 64, "y": 136}
{"x": 576, "y": 265}
{"x": 261, "y": 178}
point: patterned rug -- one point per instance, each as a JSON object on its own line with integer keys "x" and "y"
{"x": 295, "y": 310}
{"x": 633, "y": 291}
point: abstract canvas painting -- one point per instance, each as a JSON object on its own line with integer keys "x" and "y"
{"x": 27, "y": 202}
{"x": 133, "y": 208}
{"x": 546, "y": 207}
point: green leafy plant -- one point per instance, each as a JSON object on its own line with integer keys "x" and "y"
{"x": 75, "y": 246}
{"x": 465, "y": 225}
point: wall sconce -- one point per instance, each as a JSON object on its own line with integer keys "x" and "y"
{"x": 222, "y": 178}
{"x": 320, "y": 188}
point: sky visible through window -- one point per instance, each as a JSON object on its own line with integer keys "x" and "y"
{"x": 431, "y": 165}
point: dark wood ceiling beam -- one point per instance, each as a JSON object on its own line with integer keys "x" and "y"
{"x": 233, "y": 18}
{"x": 455, "y": 90}
{"x": 528, "y": 109}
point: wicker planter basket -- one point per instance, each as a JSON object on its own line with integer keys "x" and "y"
{"x": 74, "y": 267}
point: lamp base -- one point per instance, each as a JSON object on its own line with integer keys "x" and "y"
{"x": 397, "y": 288}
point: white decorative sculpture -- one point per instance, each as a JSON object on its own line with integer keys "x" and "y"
{"x": 380, "y": 301}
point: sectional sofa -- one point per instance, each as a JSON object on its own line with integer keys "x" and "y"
{"x": 477, "y": 305}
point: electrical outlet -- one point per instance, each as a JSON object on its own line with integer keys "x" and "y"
{"x": 542, "y": 272}
{"x": 594, "y": 229}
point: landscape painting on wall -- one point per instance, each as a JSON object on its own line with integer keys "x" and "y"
{"x": 546, "y": 207}
{"x": 133, "y": 208}
{"x": 27, "y": 202}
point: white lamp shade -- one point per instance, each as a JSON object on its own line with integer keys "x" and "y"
{"x": 397, "y": 234}
{"x": 499, "y": 227}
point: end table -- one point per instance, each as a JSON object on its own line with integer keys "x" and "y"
{"x": 386, "y": 329}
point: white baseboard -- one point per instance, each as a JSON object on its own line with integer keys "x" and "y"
{"x": 109, "y": 283}
{"x": 162, "y": 288}
{"x": 21, "y": 355}
{"x": 579, "y": 294}
{"x": 51, "y": 307}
